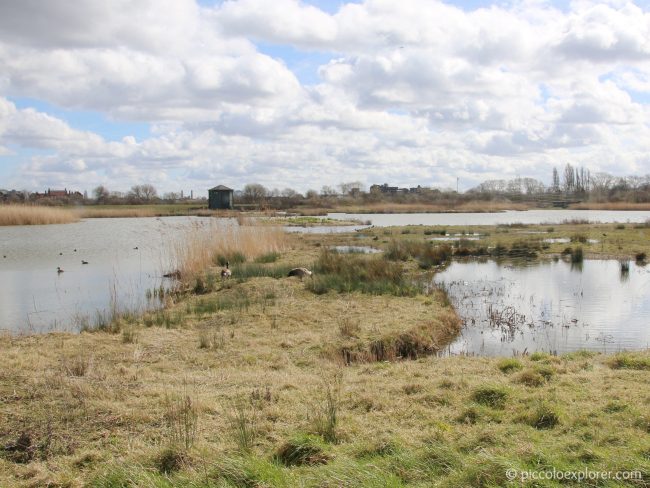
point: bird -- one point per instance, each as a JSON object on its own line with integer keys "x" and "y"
{"x": 60, "y": 254}
{"x": 225, "y": 272}
{"x": 84, "y": 262}
{"x": 59, "y": 269}
{"x": 74, "y": 250}
{"x": 173, "y": 274}
{"x": 135, "y": 248}
{"x": 300, "y": 272}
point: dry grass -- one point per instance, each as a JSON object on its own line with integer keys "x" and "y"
{"x": 35, "y": 215}
{"x": 202, "y": 246}
{"x": 117, "y": 212}
{"x": 610, "y": 206}
{"x": 443, "y": 207}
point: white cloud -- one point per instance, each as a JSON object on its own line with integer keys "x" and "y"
{"x": 415, "y": 92}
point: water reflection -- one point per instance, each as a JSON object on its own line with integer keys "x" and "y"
{"x": 508, "y": 217}
{"x": 126, "y": 257}
{"x": 549, "y": 306}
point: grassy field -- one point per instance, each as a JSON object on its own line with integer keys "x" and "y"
{"x": 263, "y": 380}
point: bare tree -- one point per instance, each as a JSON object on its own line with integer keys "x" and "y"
{"x": 101, "y": 193}
{"x": 254, "y": 192}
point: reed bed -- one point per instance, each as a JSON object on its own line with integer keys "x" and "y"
{"x": 611, "y": 206}
{"x": 205, "y": 246}
{"x": 35, "y": 215}
{"x": 105, "y": 213}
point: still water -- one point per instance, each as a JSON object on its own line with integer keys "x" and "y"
{"x": 126, "y": 257}
{"x": 509, "y": 217}
{"x": 551, "y": 306}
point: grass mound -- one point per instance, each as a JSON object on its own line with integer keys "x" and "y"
{"x": 302, "y": 450}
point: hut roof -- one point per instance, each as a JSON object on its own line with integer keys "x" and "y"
{"x": 221, "y": 188}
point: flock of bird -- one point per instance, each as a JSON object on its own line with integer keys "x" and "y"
{"x": 226, "y": 272}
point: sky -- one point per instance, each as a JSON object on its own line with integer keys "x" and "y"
{"x": 187, "y": 94}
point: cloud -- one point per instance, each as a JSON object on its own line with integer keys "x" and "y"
{"x": 412, "y": 92}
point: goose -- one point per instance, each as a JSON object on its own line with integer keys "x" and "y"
{"x": 84, "y": 262}
{"x": 59, "y": 269}
{"x": 300, "y": 272}
{"x": 225, "y": 272}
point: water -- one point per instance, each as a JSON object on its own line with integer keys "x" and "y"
{"x": 356, "y": 249}
{"x": 508, "y": 217}
{"x": 35, "y": 298}
{"x": 548, "y": 306}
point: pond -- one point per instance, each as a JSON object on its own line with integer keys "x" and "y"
{"x": 549, "y": 306}
{"x": 126, "y": 257}
{"x": 508, "y": 217}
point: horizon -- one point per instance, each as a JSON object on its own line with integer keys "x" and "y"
{"x": 187, "y": 95}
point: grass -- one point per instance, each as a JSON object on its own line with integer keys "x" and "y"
{"x": 218, "y": 242}
{"x": 35, "y": 215}
{"x": 342, "y": 388}
{"x": 366, "y": 274}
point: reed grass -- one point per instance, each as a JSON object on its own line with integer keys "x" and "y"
{"x": 205, "y": 245}
{"x": 35, "y": 215}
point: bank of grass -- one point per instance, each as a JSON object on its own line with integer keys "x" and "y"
{"x": 251, "y": 396}
{"x": 35, "y": 215}
{"x": 607, "y": 241}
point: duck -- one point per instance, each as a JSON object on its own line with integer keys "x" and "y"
{"x": 225, "y": 272}
{"x": 84, "y": 262}
{"x": 59, "y": 269}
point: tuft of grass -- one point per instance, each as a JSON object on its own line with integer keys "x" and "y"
{"x": 327, "y": 409}
{"x": 508, "y": 365}
{"x": 539, "y": 356}
{"x": 530, "y": 377}
{"x": 242, "y": 419}
{"x": 269, "y": 257}
{"x": 233, "y": 257}
{"x": 129, "y": 335}
{"x": 640, "y": 257}
{"x": 491, "y": 396}
{"x": 301, "y": 450}
{"x": 625, "y": 360}
{"x": 77, "y": 365}
{"x": 181, "y": 417}
{"x": 348, "y": 273}
{"x": 170, "y": 460}
{"x": 543, "y": 416}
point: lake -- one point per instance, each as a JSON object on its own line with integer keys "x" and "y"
{"x": 508, "y": 217}
{"x": 126, "y": 257}
{"x": 549, "y": 306}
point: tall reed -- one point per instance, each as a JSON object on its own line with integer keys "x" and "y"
{"x": 202, "y": 246}
{"x": 35, "y": 215}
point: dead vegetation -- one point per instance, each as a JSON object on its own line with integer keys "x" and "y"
{"x": 35, "y": 215}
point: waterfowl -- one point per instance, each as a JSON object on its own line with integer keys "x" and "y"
{"x": 59, "y": 269}
{"x": 300, "y": 272}
{"x": 135, "y": 248}
{"x": 173, "y": 274}
{"x": 84, "y": 262}
{"x": 60, "y": 254}
{"x": 225, "y": 272}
